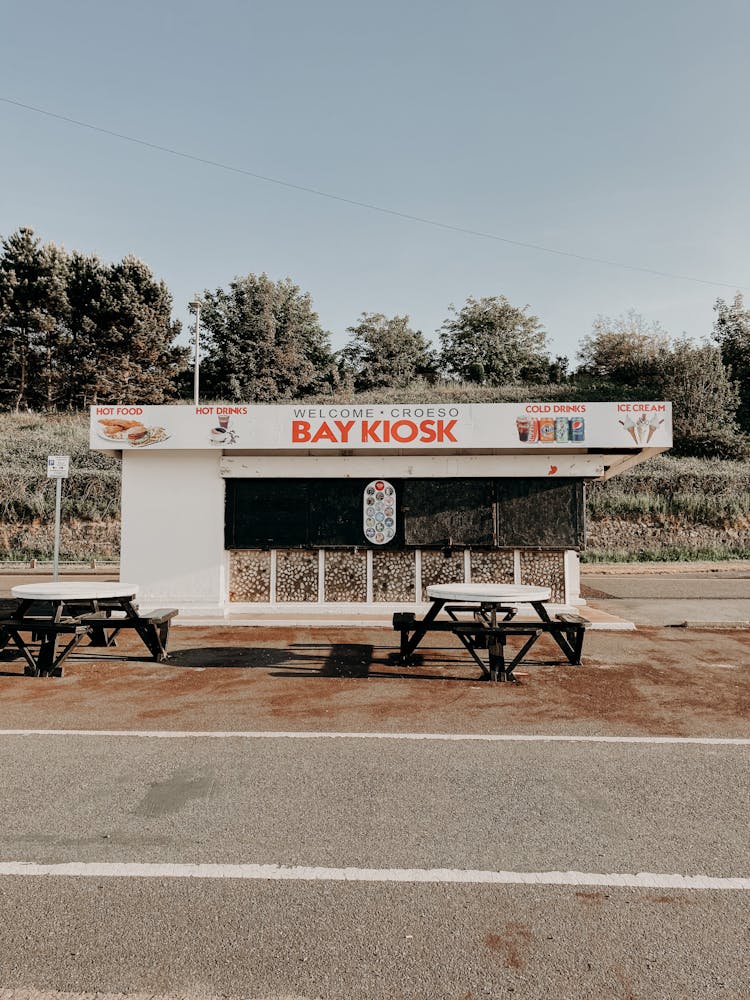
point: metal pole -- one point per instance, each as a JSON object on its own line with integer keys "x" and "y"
{"x": 197, "y": 345}
{"x": 58, "y": 504}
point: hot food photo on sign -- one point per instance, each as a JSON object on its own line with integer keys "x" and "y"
{"x": 124, "y": 430}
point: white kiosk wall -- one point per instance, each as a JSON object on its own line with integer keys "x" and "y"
{"x": 173, "y": 528}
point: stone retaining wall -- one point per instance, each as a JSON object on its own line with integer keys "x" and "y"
{"x": 78, "y": 540}
{"x": 393, "y": 572}
{"x": 653, "y": 533}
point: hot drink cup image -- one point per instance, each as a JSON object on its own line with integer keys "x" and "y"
{"x": 224, "y": 420}
{"x": 218, "y": 435}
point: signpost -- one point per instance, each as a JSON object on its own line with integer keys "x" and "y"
{"x": 57, "y": 468}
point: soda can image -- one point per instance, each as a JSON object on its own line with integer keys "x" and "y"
{"x": 546, "y": 429}
{"x": 562, "y": 429}
{"x": 577, "y": 429}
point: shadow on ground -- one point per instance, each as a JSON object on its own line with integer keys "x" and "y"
{"x": 340, "y": 660}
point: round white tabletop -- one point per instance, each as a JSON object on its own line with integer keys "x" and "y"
{"x": 489, "y": 593}
{"x": 70, "y": 590}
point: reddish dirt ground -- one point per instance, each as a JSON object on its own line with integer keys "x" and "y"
{"x": 677, "y": 682}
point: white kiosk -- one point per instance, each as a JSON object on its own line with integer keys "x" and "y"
{"x": 360, "y": 506}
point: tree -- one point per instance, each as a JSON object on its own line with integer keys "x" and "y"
{"x": 264, "y": 342}
{"x": 139, "y": 359}
{"x": 32, "y": 310}
{"x": 558, "y": 369}
{"x": 120, "y": 346}
{"x": 627, "y": 350}
{"x": 385, "y": 353}
{"x": 92, "y": 372}
{"x": 704, "y": 400}
{"x": 732, "y": 334}
{"x": 491, "y": 341}
{"x": 75, "y": 331}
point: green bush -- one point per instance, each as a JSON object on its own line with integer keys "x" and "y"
{"x": 719, "y": 444}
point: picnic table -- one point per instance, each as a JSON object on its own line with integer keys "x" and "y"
{"x": 483, "y": 617}
{"x": 49, "y": 613}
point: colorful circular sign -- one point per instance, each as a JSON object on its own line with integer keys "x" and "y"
{"x": 379, "y": 512}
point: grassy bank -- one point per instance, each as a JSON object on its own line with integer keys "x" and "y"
{"x": 697, "y": 490}
{"x": 667, "y": 509}
{"x": 90, "y": 496}
{"x": 671, "y": 509}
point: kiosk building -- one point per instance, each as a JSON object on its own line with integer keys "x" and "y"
{"x": 357, "y": 506}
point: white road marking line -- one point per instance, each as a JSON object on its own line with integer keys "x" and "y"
{"x": 32, "y": 994}
{"x": 640, "y": 880}
{"x": 168, "y": 734}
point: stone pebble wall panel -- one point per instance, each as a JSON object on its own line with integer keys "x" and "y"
{"x": 544, "y": 569}
{"x": 393, "y": 576}
{"x": 296, "y": 575}
{"x": 439, "y": 568}
{"x": 492, "y": 567}
{"x": 250, "y": 576}
{"x": 345, "y": 576}
{"x": 393, "y": 573}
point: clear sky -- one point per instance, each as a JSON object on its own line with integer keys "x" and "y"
{"x": 607, "y": 129}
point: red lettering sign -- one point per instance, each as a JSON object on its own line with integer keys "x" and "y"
{"x": 344, "y": 429}
{"x": 324, "y": 433}
{"x": 369, "y": 431}
{"x": 300, "y": 431}
{"x": 445, "y": 431}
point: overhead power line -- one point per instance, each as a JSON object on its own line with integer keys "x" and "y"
{"x": 407, "y": 216}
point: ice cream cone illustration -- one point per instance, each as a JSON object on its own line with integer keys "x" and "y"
{"x": 629, "y": 426}
{"x": 641, "y": 426}
{"x": 653, "y": 425}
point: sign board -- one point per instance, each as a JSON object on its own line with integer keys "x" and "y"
{"x": 530, "y": 428}
{"x": 57, "y": 466}
{"x": 379, "y": 512}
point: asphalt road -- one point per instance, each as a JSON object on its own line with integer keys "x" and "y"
{"x": 672, "y": 598}
{"x": 389, "y": 812}
{"x": 382, "y": 804}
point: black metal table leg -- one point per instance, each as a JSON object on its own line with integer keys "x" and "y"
{"x": 572, "y": 650}
{"x": 408, "y": 646}
{"x": 496, "y": 654}
{"x": 46, "y": 655}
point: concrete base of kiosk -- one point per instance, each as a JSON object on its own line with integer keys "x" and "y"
{"x": 320, "y": 616}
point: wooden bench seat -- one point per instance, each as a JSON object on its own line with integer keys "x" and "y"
{"x": 569, "y": 619}
{"x": 153, "y": 628}
{"x": 66, "y": 626}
